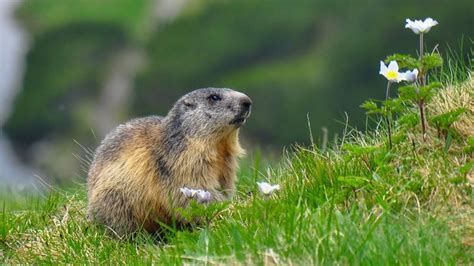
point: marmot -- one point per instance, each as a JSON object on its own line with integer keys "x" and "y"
{"x": 138, "y": 169}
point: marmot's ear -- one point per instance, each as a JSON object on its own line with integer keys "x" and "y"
{"x": 189, "y": 104}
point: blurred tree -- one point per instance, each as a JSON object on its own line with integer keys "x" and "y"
{"x": 291, "y": 57}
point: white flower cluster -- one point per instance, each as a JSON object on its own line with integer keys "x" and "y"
{"x": 201, "y": 196}
{"x": 391, "y": 71}
{"x": 204, "y": 196}
{"x": 393, "y": 75}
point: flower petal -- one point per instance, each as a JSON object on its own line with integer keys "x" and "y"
{"x": 276, "y": 187}
{"x": 203, "y": 196}
{"x": 266, "y": 188}
{"x": 393, "y": 66}
{"x": 383, "y": 68}
{"x": 430, "y": 22}
{"x": 186, "y": 192}
{"x": 412, "y": 25}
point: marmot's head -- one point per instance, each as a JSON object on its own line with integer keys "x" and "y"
{"x": 211, "y": 111}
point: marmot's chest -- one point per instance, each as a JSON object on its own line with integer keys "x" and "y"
{"x": 205, "y": 169}
{"x": 209, "y": 171}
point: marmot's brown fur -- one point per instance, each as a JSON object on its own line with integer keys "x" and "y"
{"x": 138, "y": 170}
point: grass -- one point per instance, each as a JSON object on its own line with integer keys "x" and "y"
{"x": 354, "y": 202}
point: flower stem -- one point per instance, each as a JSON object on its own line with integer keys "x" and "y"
{"x": 422, "y": 118}
{"x": 422, "y": 72}
{"x": 421, "y": 104}
{"x": 421, "y": 46}
{"x": 389, "y": 131}
{"x": 387, "y": 117}
{"x": 387, "y": 92}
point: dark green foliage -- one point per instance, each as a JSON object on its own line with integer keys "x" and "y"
{"x": 371, "y": 107}
{"x": 469, "y": 149}
{"x": 431, "y": 61}
{"x": 419, "y": 94}
{"x": 65, "y": 71}
{"x": 388, "y": 110}
{"x": 409, "y": 120}
{"x": 42, "y": 17}
{"x": 443, "y": 122}
{"x": 404, "y": 61}
{"x": 387, "y": 107}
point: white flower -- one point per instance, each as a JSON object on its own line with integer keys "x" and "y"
{"x": 419, "y": 26}
{"x": 410, "y": 76}
{"x": 391, "y": 72}
{"x": 189, "y": 193}
{"x": 203, "y": 196}
{"x": 267, "y": 188}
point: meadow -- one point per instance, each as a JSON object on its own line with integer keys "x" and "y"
{"x": 352, "y": 201}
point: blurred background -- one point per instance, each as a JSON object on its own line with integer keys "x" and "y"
{"x": 71, "y": 70}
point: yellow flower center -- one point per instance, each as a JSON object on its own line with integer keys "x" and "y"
{"x": 392, "y": 74}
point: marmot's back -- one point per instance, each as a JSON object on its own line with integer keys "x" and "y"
{"x": 127, "y": 135}
{"x": 121, "y": 175}
{"x": 140, "y": 166}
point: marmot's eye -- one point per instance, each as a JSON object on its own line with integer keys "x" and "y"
{"x": 215, "y": 97}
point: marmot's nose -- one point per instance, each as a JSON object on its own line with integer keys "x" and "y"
{"x": 245, "y": 102}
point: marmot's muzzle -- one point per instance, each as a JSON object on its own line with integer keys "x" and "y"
{"x": 244, "y": 113}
